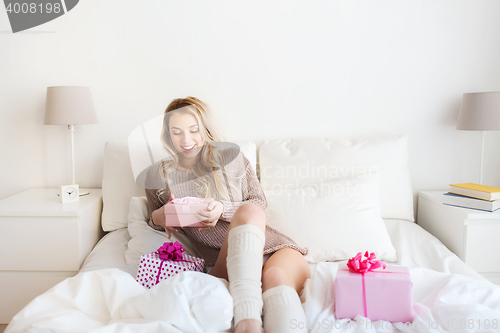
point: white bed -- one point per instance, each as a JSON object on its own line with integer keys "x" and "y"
{"x": 104, "y": 297}
{"x": 415, "y": 247}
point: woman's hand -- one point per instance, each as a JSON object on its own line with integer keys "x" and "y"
{"x": 159, "y": 218}
{"x": 210, "y": 215}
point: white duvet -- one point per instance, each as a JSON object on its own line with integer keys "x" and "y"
{"x": 447, "y": 294}
{"x": 110, "y": 300}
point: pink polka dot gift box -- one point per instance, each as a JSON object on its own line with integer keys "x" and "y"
{"x": 166, "y": 262}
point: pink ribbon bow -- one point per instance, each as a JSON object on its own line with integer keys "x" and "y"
{"x": 171, "y": 251}
{"x": 357, "y": 265}
{"x": 187, "y": 201}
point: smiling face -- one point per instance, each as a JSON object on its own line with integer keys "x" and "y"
{"x": 185, "y": 135}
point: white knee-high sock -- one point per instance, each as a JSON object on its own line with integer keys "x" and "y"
{"x": 244, "y": 269}
{"x": 283, "y": 311}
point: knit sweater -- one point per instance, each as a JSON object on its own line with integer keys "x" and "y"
{"x": 244, "y": 188}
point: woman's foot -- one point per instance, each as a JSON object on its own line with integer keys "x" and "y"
{"x": 248, "y": 326}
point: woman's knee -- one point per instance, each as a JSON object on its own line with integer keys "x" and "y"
{"x": 250, "y": 214}
{"x": 272, "y": 277}
{"x": 293, "y": 269}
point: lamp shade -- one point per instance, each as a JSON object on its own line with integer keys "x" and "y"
{"x": 69, "y": 106}
{"x": 480, "y": 112}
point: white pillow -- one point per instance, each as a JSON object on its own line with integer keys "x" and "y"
{"x": 118, "y": 183}
{"x": 305, "y": 161}
{"x": 145, "y": 239}
{"x": 335, "y": 220}
{"x": 118, "y": 186}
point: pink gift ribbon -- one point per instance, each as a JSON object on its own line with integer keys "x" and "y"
{"x": 184, "y": 202}
{"x": 358, "y": 266}
{"x": 159, "y": 271}
{"x": 187, "y": 201}
{"x": 163, "y": 261}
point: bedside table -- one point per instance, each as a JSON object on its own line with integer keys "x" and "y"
{"x": 473, "y": 235}
{"x": 43, "y": 242}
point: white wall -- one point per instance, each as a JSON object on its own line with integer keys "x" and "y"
{"x": 270, "y": 69}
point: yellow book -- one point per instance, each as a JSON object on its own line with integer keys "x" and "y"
{"x": 484, "y": 192}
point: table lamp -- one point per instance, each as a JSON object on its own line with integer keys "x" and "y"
{"x": 69, "y": 105}
{"x": 480, "y": 112}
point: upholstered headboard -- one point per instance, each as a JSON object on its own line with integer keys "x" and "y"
{"x": 293, "y": 163}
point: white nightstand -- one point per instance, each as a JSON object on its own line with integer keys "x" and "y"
{"x": 473, "y": 235}
{"x": 43, "y": 242}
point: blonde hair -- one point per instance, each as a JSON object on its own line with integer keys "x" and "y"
{"x": 209, "y": 174}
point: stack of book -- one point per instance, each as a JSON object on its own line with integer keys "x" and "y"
{"x": 473, "y": 196}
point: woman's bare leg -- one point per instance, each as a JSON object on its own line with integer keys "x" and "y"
{"x": 283, "y": 279}
{"x": 220, "y": 270}
{"x": 285, "y": 267}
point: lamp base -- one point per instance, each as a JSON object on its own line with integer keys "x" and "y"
{"x": 483, "y": 135}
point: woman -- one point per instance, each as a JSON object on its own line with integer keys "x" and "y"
{"x": 265, "y": 269}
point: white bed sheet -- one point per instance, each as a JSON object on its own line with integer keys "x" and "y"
{"x": 109, "y": 252}
{"x": 104, "y": 296}
{"x": 415, "y": 247}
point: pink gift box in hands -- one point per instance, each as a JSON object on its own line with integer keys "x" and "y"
{"x": 372, "y": 290}
{"x": 181, "y": 212}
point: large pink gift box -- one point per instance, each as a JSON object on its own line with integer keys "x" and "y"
{"x": 380, "y": 294}
{"x": 181, "y": 212}
{"x": 152, "y": 269}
